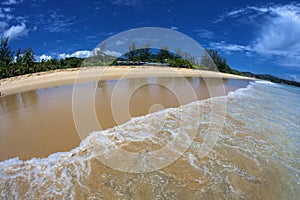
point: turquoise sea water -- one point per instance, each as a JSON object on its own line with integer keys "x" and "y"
{"x": 257, "y": 155}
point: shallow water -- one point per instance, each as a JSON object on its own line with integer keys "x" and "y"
{"x": 257, "y": 155}
{"x": 40, "y": 122}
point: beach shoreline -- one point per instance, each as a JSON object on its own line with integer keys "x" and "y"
{"x": 60, "y": 77}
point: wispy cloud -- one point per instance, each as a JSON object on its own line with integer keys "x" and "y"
{"x": 135, "y": 3}
{"x": 230, "y": 14}
{"x": 228, "y": 48}
{"x": 8, "y": 17}
{"x": 138, "y": 3}
{"x": 249, "y": 12}
{"x": 15, "y": 32}
{"x": 58, "y": 23}
{"x": 203, "y": 33}
{"x": 278, "y": 36}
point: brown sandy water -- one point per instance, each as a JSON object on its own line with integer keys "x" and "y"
{"x": 40, "y": 122}
{"x": 245, "y": 163}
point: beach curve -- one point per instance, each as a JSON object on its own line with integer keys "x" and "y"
{"x": 54, "y": 78}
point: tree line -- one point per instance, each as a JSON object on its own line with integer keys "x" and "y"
{"x": 146, "y": 55}
{"x": 23, "y": 61}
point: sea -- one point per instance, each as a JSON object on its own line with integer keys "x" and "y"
{"x": 255, "y": 155}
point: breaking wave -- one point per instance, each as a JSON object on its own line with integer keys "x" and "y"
{"x": 256, "y": 156}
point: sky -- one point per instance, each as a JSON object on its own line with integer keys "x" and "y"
{"x": 257, "y": 36}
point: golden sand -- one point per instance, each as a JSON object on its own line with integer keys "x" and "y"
{"x": 69, "y": 76}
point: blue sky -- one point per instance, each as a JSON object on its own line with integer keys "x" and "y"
{"x": 257, "y": 36}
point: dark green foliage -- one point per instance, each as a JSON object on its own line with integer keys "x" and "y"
{"x": 73, "y": 62}
{"x": 150, "y": 56}
{"x": 25, "y": 63}
{"x": 28, "y": 60}
{"x": 6, "y": 58}
{"x": 220, "y": 62}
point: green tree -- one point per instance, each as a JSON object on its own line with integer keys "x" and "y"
{"x": 164, "y": 54}
{"x": 144, "y": 53}
{"x": 74, "y": 62}
{"x": 6, "y": 58}
{"x": 212, "y": 55}
{"x": 28, "y": 60}
{"x": 131, "y": 52}
{"x": 19, "y": 57}
{"x": 53, "y": 64}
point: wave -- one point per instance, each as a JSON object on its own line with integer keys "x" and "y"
{"x": 237, "y": 160}
{"x": 269, "y": 83}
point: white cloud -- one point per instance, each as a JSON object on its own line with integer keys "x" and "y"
{"x": 44, "y": 57}
{"x": 281, "y": 34}
{"x": 7, "y": 9}
{"x": 6, "y": 15}
{"x": 12, "y": 2}
{"x": 78, "y": 54}
{"x": 63, "y": 56}
{"x": 278, "y": 36}
{"x": 174, "y": 27}
{"x": 16, "y": 31}
{"x": 86, "y": 53}
{"x": 234, "y": 13}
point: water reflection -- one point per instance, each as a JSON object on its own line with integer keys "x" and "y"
{"x": 43, "y": 120}
{"x": 15, "y": 102}
{"x": 102, "y": 84}
{"x": 30, "y": 98}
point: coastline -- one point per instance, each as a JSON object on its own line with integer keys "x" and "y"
{"x": 59, "y": 77}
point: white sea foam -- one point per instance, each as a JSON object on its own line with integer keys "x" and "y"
{"x": 269, "y": 83}
{"x": 55, "y": 176}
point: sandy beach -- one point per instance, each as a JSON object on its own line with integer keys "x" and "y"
{"x": 46, "y": 98}
{"x": 69, "y": 76}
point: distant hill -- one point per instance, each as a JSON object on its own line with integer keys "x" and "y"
{"x": 271, "y": 78}
{"x": 224, "y": 67}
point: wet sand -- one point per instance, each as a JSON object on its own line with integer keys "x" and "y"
{"x": 40, "y": 122}
{"x": 69, "y": 76}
